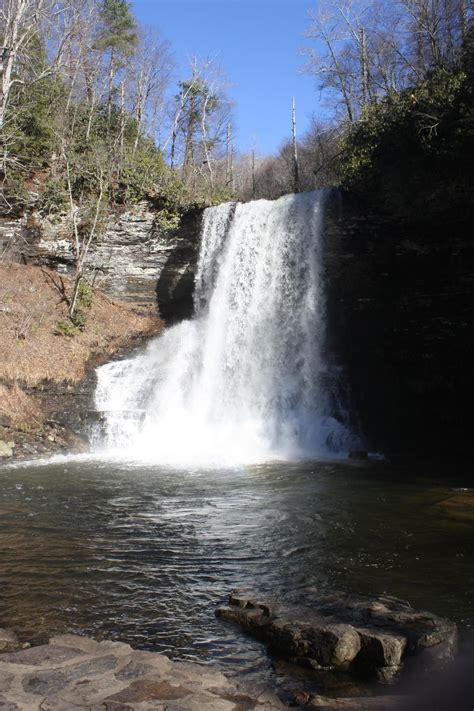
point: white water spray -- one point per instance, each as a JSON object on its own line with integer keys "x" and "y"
{"x": 244, "y": 380}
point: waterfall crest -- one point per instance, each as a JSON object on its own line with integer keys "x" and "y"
{"x": 245, "y": 380}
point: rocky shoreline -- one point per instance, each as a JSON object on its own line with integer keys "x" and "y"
{"x": 368, "y": 638}
{"x": 76, "y": 673}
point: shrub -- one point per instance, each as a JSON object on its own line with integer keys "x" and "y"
{"x": 65, "y": 328}
{"x": 13, "y": 194}
{"x": 54, "y": 198}
{"x": 83, "y": 303}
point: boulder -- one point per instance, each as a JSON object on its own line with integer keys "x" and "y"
{"x": 6, "y": 449}
{"x": 9, "y": 642}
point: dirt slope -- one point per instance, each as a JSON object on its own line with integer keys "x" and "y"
{"x": 36, "y": 356}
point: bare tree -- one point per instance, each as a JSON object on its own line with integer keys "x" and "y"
{"x": 148, "y": 78}
{"x": 199, "y": 129}
{"x": 22, "y": 21}
{"x": 85, "y": 223}
{"x": 368, "y": 48}
{"x": 327, "y": 63}
{"x": 295, "y": 148}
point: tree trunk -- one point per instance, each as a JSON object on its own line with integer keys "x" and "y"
{"x": 205, "y": 143}
{"x": 139, "y": 111}
{"x": 12, "y": 40}
{"x": 227, "y": 156}
{"x": 188, "y": 147}
{"x": 111, "y": 86}
{"x": 342, "y": 81}
{"x": 122, "y": 119}
{"x": 296, "y": 175}
{"x": 364, "y": 63}
{"x": 6, "y": 66}
{"x": 254, "y": 183}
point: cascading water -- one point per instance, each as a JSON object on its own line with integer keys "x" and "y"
{"x": 245, "y": 380}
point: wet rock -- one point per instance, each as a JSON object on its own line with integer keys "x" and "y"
{"x": 368, "y": 637}
{"x": 6, "y": 450}
{"x": 359, "y": 455}
{"x": 9, "y": 642}
{"x": 380, "y": 650}
{"x": 458, "y": 507}
{"x": 363, "y": 703}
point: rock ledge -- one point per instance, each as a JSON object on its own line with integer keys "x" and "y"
{"x": 368, "y": 637}
{"x": 74, "y": 673}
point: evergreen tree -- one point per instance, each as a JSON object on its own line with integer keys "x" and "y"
{"x": 119, "y": 36}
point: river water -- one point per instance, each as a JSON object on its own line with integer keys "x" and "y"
{"x": 145, "y": 554}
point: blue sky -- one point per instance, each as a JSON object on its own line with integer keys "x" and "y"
{"x": 257, "y": 43}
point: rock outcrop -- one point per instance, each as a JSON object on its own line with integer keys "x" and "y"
{"x": 74, "y": 673}
{"x": 9, "y": 642}
{"x": 368, "y": 637}
{"x": 400, "y": 308}
{"x": 138, "y": 257}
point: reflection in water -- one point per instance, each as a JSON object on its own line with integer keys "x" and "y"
{"x": 146, "y": 554}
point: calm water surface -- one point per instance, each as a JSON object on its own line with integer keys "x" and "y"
{"x": 146, "y": 554}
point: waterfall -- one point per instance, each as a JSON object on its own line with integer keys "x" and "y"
{"x": 245, "y": 380}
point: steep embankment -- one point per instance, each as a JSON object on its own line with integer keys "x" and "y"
{"x": 43, "y": 360}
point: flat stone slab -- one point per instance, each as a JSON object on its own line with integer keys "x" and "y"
{"x": 368, "y": 637}
{"x": 74, "y": 673}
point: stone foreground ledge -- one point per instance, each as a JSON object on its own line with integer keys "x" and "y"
{"x": 368, "y": 637}
{"x": 74, "y": 673}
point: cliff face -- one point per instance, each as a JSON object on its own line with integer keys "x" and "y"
{"x": 400, "y": 307}
{"x": 135, "y": 259}
{"x": 46, "y": 366}
{"x": 400, "y": 315}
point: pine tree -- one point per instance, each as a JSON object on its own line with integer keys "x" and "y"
{"x": 119, "y": 36}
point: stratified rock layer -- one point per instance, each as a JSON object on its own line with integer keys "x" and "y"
{"x": 136, "y": 258}
{"x": 370, "y": 637}
{"x": 74, "y": 673}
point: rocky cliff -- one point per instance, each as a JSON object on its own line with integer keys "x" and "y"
{"x": 138, "y": 257}
{"x": 400, "y": 307}
{"x": 400, "y": 314}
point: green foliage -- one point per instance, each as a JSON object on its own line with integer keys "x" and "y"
{"x": 85, "y": 296}
{"x": 119, "y": 30}
{"x": 142, "y": 175}
{"x": 84, "y": 299}
{"x": 65, "y": 328}
{"x": 13, "y": 193}
{"x": 221, "y": 195}
{"x": 168, "y": 219}
{"x": 83, "y": 304}
{"x": 54, "y": 199}
{"x": 37, "y": 121}
{"x": 78, "y": 320}
{"x": 406, "y": 149}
